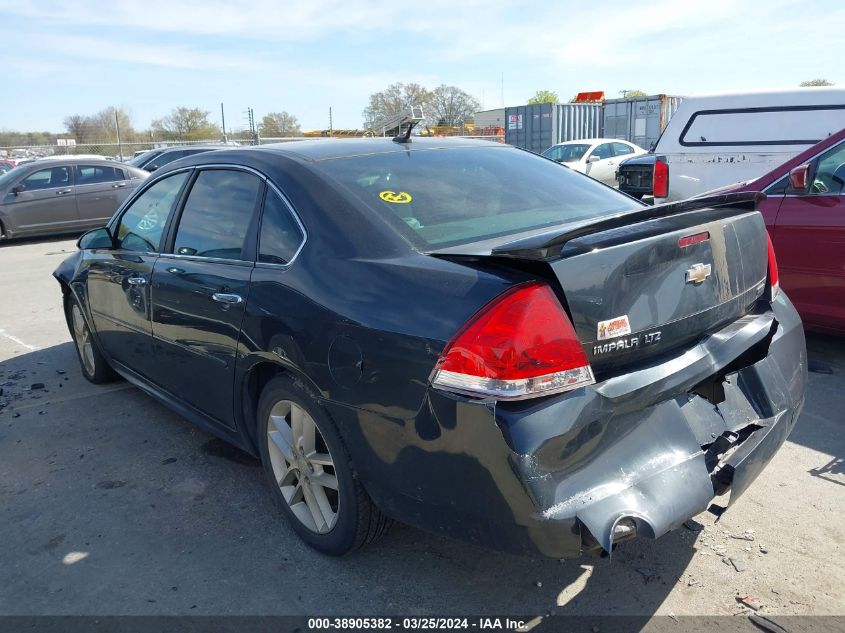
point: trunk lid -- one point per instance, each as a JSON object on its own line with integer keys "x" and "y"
{"x": 640, "y": 284}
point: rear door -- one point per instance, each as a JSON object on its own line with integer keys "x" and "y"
{"x": 47, "y": 203}
{"x": 809, "y": 241}
{"x": 100, "y": 189}
{"x": 200, "y": 288}
{"x": 118, "y": 279}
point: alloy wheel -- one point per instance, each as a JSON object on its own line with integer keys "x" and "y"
{"x": 82, "y": 338}
{"x": 302, "y": 466}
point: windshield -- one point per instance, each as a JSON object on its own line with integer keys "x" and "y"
{"x": 445, "y": 197}
{"x": 143, "y": 158}
{"x": 566, "y": 153}
{"x": 7, "y": 178}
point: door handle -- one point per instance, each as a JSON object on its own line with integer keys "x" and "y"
{"x": 136, "y": 281}
{"x": 118, "y": 185}
{"x": 63, "y": 192}
{"x": 228, "y": 299}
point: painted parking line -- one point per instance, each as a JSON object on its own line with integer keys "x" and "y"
{"x": 16, "y": 340}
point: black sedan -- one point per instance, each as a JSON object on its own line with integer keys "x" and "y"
{"x": 463, "y": 336}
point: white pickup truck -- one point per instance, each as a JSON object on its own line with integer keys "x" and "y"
{"x": 713, "y": 141}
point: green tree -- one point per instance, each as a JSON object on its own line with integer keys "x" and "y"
{"x": 185, "y": 124}
{"x": 815, "y": 82}
{"x": 627, "y": 94}
{"x": 449, "y": 105}
{"x": 279, "y": 124}
{"x": 395, "y": 100}
{"x": 543, "y": 96}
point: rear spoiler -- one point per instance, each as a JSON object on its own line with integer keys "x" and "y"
{"x": 548, "y": 245}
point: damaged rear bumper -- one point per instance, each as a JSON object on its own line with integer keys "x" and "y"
{"x": 636, "y": 454}
{"x": 632, "y": 462}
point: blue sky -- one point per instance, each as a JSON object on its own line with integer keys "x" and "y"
{"x": 150, "y": 56}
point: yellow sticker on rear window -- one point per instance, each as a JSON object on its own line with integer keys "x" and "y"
{"x": 395, "y": 197}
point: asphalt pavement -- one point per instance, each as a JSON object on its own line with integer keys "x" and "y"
{"x": 110, "y": 504}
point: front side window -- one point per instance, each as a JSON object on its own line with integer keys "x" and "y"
{"x": 829, "y": 176}
{"x": 142, "y": 225}
{"x": 603, "y": 151}
{"x": 567, "y": 153}
{"x": 620, "y": 149}
{"x": 94, "y": 174}
{"x": 281, "y": 236}
{"x": 48, "y": 179}
{"x": 217, "y": 214}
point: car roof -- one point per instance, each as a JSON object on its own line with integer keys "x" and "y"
{"x": 327, "y": 149}
{"x": 593, "y": 141}
{"x": 184, "y": 147}
{"x": 55, "y": 161}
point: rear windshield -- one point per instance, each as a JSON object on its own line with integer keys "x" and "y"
{"x": 140, "y": 159}
{"x": 446, "y": 197}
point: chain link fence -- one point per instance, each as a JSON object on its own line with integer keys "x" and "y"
{"x": 125, "y": 151}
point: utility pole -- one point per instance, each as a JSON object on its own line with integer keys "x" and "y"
{"x": 223, "y": 119}
{"x": 330, "y": 121}
{"x": 250, "y": 115}
{"x": 503, "y": 89}
{"x": 117, "y": 128}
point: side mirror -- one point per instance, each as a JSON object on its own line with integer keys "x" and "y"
{"x": 151, "y": 168}
{"x": 95, "y": 238}
{"x": 18, "y": 188}
{"x": 799, "y": 178}
{"x": 593, "y": 159}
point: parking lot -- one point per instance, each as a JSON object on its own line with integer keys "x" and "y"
{"x": 112, "y": 504}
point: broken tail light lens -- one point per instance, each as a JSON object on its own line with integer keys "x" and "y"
{"x": 774, "y": 280}
{"x": 521, "y": 345}
{"x": 660, "y": 183}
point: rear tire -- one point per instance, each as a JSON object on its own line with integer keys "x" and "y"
{"x": 310, "y": 472}
{"x": 94, "y": 366}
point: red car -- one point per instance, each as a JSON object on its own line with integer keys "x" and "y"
{"x": 805, "y": 215}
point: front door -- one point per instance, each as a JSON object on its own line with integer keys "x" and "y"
{"x": 603, "y": 167}
{"x": 46, "y": 204}
{"x": 809, "y": 241}
{"x": 200, "y": 288}
{"x": 119, "y": 279}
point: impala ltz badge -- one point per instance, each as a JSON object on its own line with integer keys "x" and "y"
{"x": 612, "y": 328}
{"x": 697, "y": 273}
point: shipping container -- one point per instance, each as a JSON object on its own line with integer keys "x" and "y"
{"x": 639, "y": 120}
{"x": 538, "y": 127}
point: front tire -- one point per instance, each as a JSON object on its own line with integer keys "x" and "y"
{"x": 310, "y": 473}
{"x": 94, "y": 366}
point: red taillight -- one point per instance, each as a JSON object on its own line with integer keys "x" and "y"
{"x": 520, "y": 345}
{"x": 774, "y": 281}
{"x": 660, "y": 185}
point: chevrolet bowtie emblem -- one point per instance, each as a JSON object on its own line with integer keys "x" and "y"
{"x": 698, "y": 273}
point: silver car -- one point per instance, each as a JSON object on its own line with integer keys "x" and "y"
{"x": 63, "y": 195}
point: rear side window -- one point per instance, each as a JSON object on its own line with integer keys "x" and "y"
{"x": 445, "y": 197}
{"x": 93, "y": 174}
{"x": 620, "y": 149}
{"x": 141, "y": 226}
{"x": 281, "y": 235}
{"x": 217, "y": 214}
